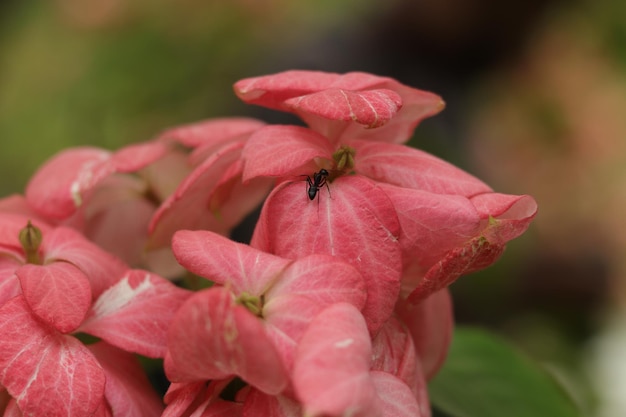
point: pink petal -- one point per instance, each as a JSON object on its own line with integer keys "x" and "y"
{"x": 17, "y": 204}
{"x": 323, "y": 279}
{"x": 11, "y": 409}
{"x": 447, "y": 236}
{"x": 135, "y": 313}
{"x": 356, "y": 223}
{"x": 62, "y": 183}
{"x": 181, "y": 396}
{"x": 371, "y": 108}
{"x": 272, "y": 90}
{"x": 58, "y": 293}
{"x": 9, "y": 283}
{"x": 260, "y": 404}
{"x": 224, "y": 261}
{"x": 49, "y": 374}
{"x": 101, "y": 268}
{"x": 128, "y": 390}
{"x": 163, "y": 176}
{"x": 397, "y": 398}
{"x": 509, "y": 215}
{"x": 306, "y": 287}
{"x": 275, "y": 91}
{"x": 234, "y": 200}
{"x": 213, "y": 338}
{"x": 287, "y": 319}
{"x": 5, "y": 399}
{"x": 212, "y": 131}
{"x": 189, "y": 207}
{"x": 276, "y": 151}
{"x": 117, "y": 217}
{"x": 221, "y": 408}
{"x": 416, "y": 106}
{"x": 67, "y": 180}
{"x": 331, "y": 371}
{"x": 432, "y": 224}
{"x": 431, "y": 324}
{"x": 411, "y": 168}
{"x": 474, "y": 255}
{"x": 132, "y": 158}
{"x": 103, "y": 410}
{"x": 199, "y": 399}
{"x": 393, "y": 352}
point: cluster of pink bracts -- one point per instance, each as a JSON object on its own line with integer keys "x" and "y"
{"x": 338, "y": 307}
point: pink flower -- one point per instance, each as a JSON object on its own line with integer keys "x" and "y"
{"x": 402, "y": 217}
{"x": 212, "y": 196}
{"x": 57, "y": 270}
{"x": 259, "y": 309}
{"x": 131, "y": 202}
{"x": 52, "y": 374}
{"x": 62, "y": 284}
{"x": 102, "y": 194}
{"x": 357, "y": 224}
{"x": 337, "y": 373}
{"x": 64, "y": 183}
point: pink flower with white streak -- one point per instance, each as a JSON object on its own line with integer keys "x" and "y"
{"x": 130, "y": 202}
{"x": 108, "y": 196}
{"x": 56, "y": 284}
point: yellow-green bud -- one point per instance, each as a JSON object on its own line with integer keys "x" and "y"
{"x": 252, "y": 303}
{"x": 30, "y": 239}
{"x": 344, "y": 158}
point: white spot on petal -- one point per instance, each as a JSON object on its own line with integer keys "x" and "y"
{"x": 342, "y": 344}
{"x": 75, "y": 191}
{"x": 119, "y": 295}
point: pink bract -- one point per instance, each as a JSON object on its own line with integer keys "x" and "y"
{"x": 63, "y": 184}
{"x": 333, "y": 372}
{"x": 127, "y": 391}
{"x": 68, "y": 273}
{"x": 353, "y": 105}
{"x": 134, "y": 314}
{"x": 263, "y": 301}
{"x": 213, "y": 196}
{"x": 235, "y": 344}
{"x": 356, "y": 223}
{"x": 100, "y": 193}
{"x": 69, "y": 285}
{"x": 450, "y": 223}
{"x": 430, "y": 323}
{"x": 34, "y": 357}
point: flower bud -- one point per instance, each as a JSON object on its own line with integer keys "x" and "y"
{"x": 344, "y": 158}
{"x": 30, "y": 239}
{"x": 252, "y": 303}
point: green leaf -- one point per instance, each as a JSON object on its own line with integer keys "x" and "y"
{"x": 485, "y": 376}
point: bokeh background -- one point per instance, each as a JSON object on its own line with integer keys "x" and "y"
{"x": 536, "y": 104}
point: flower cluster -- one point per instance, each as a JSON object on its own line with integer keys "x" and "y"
{"x": 338, "y": 305}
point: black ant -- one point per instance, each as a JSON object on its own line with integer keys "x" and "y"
{"x": 315, "y": 184}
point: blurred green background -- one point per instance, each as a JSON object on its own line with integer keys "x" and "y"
{"x": 536, "y": 104}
